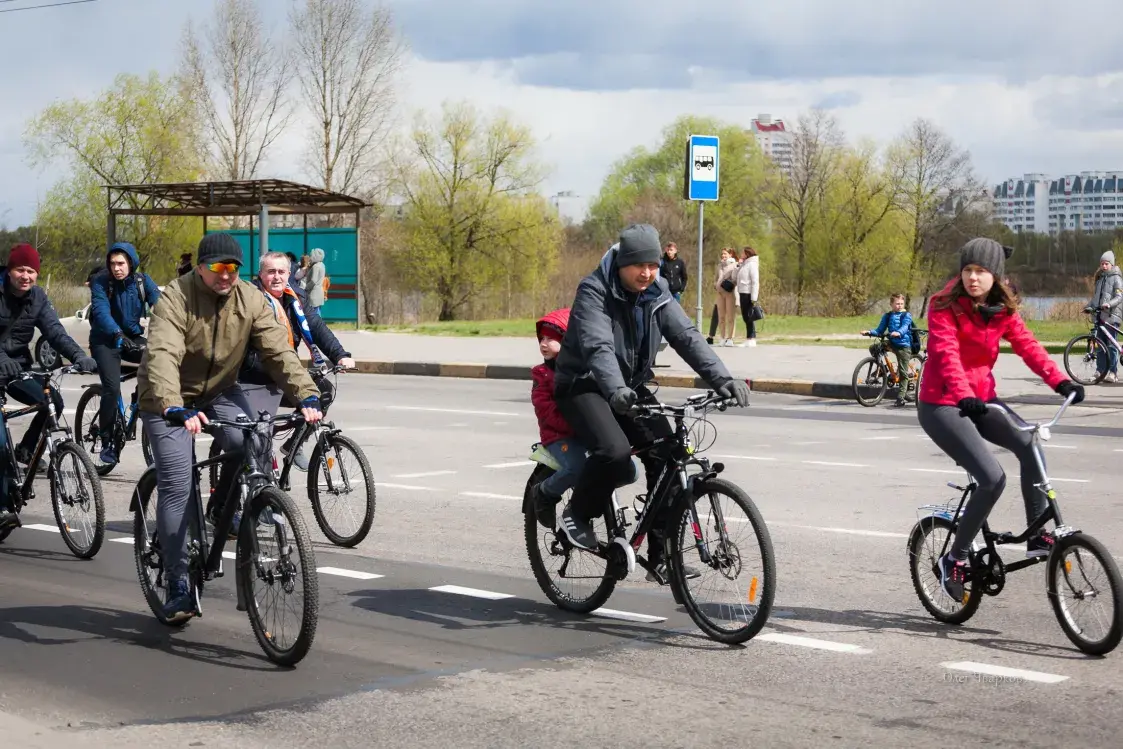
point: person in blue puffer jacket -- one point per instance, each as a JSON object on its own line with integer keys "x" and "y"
{"x": 119, "y": 297}
{"x": 898, "y": 322}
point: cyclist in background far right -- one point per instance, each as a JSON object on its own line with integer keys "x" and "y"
{"x": 1107, "y": 301}
{"x": 899, "y": 324}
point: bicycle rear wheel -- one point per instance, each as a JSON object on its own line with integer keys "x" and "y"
{"x": 1082, "y": 360}
{"x": 87, "y": 430}
{"x": 333, "y": 477}
{"x": 146, "y": 547}
{"x": 741, "y": 560}
{"x": 573, "y": 579}
{"x": 75, "y": 494}
{"x": 926, "y": 543}
{"x": 273, "y": 526}
{"x": 1070, "y": 577}
{"x": 870, "y": 382}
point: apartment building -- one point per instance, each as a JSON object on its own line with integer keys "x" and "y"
{"x": 1087, "y": 202}
{"x": 774, "y": 139}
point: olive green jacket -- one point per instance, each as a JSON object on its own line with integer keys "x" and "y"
{"x": 197, "y": 340}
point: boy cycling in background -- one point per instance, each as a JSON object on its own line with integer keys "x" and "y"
{"x": 899, "y": 324}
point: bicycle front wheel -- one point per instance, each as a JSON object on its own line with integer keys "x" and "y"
{"x": 77, "y": 501}
{"x": 87, "y": 430}
{"x": 1081, "y": 358}
{"x": 1072, "y": 580}
{"x": 276, "y": 567}
{"x": 341, "y": 488}
{"x": 870, "y": 382}
{"x": 739, "y": 568}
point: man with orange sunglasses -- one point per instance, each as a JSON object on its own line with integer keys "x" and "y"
{"x": 198, "y": 335}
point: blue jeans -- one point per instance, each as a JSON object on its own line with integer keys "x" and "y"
{"x": 678, "y": 296}
{"x": 570, "y": 454}
{"x": 1107, "y": 356}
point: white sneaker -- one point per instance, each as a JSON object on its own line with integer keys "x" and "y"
{"x": 752, "y": 342}
{"x": 1110, "y": 377}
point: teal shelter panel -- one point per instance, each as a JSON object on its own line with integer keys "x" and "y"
{"x": 341, "y": 262}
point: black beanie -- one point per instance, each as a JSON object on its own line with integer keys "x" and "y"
{"x": 639, "y": 243}
{"x": 985, "y": 253}
{"x": 219, "y": 248}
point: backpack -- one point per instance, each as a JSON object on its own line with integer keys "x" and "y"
{"x": 914, "y": 335}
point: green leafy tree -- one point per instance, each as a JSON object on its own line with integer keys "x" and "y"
{"x": 474, "y": 219}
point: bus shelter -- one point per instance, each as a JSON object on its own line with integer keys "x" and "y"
{"x": 259, "y": 200}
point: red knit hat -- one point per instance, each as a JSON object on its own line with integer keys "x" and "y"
{"x": 24, "y": 254}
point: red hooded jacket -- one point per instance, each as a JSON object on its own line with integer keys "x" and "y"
{"x": 963, "y": 348}
{"x": 552, "y": 426}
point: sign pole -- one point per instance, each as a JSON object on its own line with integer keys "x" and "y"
{"x": 701, "y": 212}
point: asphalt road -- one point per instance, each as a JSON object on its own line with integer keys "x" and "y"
{"x": 434, "y": 633}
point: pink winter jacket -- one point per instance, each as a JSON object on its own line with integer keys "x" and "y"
{"x": 962, "y": 351}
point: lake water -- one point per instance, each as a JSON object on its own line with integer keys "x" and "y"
{"x": 1037, "y": 307}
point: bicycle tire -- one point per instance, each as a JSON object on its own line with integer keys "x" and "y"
{"x": 271, "y": 495}
{"x": 1115, "y": 632}
{"x": 768, "y": 563}
{"x": 921, "y": 531}
{"x": 142, "y": 547}
{"x": 532, "y": 531}
{"x": 1088, "y": 341}
{"x": 869, "y": 402}
{"x": 145, "y": 445}
{"x": 83, "y": 423}
{"x": 86, "y": 463}
{"x": 315, "y": 464}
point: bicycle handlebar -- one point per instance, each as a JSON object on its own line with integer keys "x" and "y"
{"x": 702, "y": 400}
{"x": 1013, "y": 418}
{"x": 284, "y": 419}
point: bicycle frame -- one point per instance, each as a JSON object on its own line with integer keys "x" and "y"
{"x": 46, "y": 443}
{"x": 1112, "y": 339}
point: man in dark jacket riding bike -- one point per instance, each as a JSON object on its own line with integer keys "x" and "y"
{"x": 621, "y": 313}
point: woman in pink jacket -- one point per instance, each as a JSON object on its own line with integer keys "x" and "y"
{"x": 966, "y": 321}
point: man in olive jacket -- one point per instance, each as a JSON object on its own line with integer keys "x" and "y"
{"x": 197, "y": 338}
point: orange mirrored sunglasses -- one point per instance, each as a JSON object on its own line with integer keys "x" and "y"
{"x": 223, "y": 267}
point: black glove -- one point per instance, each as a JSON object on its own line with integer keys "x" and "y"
{"x": 1067, "y": 387}
{"x": 623, "y": 400}
{"x": 738, "y": 389}
{"x": 178, "y": 415}
{"x": 85, "y": 364}
{"x": 9, "y": 369}
{"x": 133, "y": 345}
{"x": 972, "y": 408}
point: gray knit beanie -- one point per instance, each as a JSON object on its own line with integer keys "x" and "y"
{"x": 639, "y": 243}
{"x": 985, "y": 253}
{"x": 1109, "y": 256}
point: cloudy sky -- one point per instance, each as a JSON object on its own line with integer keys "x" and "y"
{"x": 1026, "y": 86}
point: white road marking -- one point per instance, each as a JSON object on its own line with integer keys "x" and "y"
{"x": 1069, "y": 481}
{"x": 744, "y": 457}
{"x": 422, "y": 475}
{"x": 628, "y": 616}
{"x": 365, "y": 429}
{"x": 473, "y": 592}
{"x": 453, "y": 411}
{"x": 123, "y": 540}
{"x": 487, "y": 495}
{"x": 1012, "y": 673}
{"x": 802, "y": 444}
{"x": 41, "y": 527}
{"x": 810, "y": 642}
{"x": 520, "y": 464}
{"x": 1060, "y": 447}
{"x": 937, "y": 470}
{"x": 348, "y": 573}
{"x": 408, "y": 487}
{"x": 823, "y": 529}
{"x": 873, "y": 439}
{"x": 829, "y": 463}
{"x": 229, "y": 555}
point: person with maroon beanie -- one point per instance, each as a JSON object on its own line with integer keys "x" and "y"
{"x": 23, "y": 308}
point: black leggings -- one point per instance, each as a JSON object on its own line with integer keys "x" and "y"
{"x": 609, "y": 438}
{"x": 108, "y": 360}
{"x": 965, "y": 442}
{"x": 747, "y": 315}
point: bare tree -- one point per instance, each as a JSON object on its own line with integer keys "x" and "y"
{"x": 796, "y": 199}
{"x": 936, "y": 189}
{"x": 239, "y": 78}
{"x": 347, "y": 59}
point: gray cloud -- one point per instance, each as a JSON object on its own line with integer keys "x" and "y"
{"x": 839, "y": 100}
{"x": 1085, "y": 105}
{"x": 801, "y": 39}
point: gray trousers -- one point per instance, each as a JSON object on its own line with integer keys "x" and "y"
{"x": 965, "y": 442}
{"x": 173, "y": 452}
{"x": 262, "y": 398}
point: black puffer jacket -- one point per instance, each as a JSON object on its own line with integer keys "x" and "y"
{"x": 613, "y": 336}
{"x": 20, "y": 316}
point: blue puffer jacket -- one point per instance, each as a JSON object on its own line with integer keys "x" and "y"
{"x": 896, "y": 322}
{"x": 115, "y": 306}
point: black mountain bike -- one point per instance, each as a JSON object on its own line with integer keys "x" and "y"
{"x": 1071, "y": 578}
{"x": 340, "y": 481}
{"x": 75, "y": 488}
{"x": 87, "y": 424}
{"x": 734, "y": 552}
{"x": 1082, "y": 353}
{"x": 271, "y": 529}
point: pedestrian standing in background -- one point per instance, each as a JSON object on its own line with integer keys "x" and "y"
{"x": 748, "y": 290}
{"x": 185, "y": 265}
{"x": 726, "y": 285}
{"x": 673, "y": 269}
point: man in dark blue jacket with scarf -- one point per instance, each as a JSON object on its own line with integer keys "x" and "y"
{"x": 119, "y": 295}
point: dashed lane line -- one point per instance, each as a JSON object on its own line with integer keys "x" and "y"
{"x": 987, "y": 669}
{"x": 348, "y": 573}
{"x": 810, "y": 642}
{"x": 520, "y": 464}
{"x": 488, "y": 495}
{"x": 627, "y": 616}
{"x": 423, "y": 474}
{"x": 471, "y": 592}
{"x": 832, "y": 463}
{"x": 454, "y": 411}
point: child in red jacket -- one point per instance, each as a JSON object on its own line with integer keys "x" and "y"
{"x": 966, "y": 321}
{"x": 556, "y": 434}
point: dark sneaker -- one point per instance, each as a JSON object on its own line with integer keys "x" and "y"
{"x": 180, "y": 605}
{"x": 1040, "y": 545}
{"x": 23, "y": 455}
{"x": 9, "y": 519}
{"x": 900, "y": 403}
{"x": 953, "y": 577}
{"x": 579, "y": 532}
{"x": 660, "y": 574}
{"x": 545, "y": 507}
{"x": 108, "y": 455}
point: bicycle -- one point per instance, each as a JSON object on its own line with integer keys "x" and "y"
{"x": 1089, "y": 347}
{"x": 678, "y": 490}
{"x": 86, "y": 496}
{"x": 87, "y": 424}
{"x": 268, "y": 514}
{"x": 988, "y": 571}
{"x": 876, "y": 373}
{"x": 328, "y": 458}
